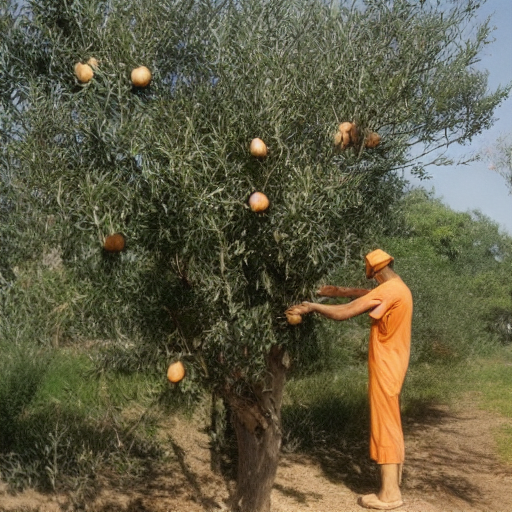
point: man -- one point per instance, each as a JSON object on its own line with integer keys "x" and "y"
{"x": 390, "y": 307}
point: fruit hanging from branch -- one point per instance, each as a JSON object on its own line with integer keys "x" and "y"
{"x": 175, "y": 372}
{"x": 346, "y": 136}
{"x": 258, "y": 202}
{"x": 141, "y": 76}
{"x": 114, "y": 243}
{"x": 372, "y": 140}
{"x": 83, "y": 72}
{"x": 258, "y": 148}
{"x": 293, "y": 319}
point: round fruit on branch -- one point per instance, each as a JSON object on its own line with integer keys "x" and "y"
{"x": 141, "y": 76}
{"x": 114, "y": 243}
{"x": 293, "y": 319}
{"x": 258, "y": 202}
{"x": 258, "y": 148}
{"x": 372, "y": 140}
{"x": 346, "y": 136}
{"x": 83, "y": 72}
{"x": 175, "y": 372}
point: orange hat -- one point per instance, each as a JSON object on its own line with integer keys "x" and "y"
{"x": 375, "y": 261}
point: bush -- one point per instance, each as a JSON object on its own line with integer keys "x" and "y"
{"x": 58, "y": 424}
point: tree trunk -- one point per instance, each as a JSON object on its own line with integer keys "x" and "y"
{"x": 257, "y": 425}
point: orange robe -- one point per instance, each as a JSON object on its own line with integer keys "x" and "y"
{"x": 388, "y": 359}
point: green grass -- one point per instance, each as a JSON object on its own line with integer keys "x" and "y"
{"x": 430, "y": 383}
{"x": 67, "y": 382}
{"x": 60, "y": 420}
{"x": 331, "y": 407}
{"x": 491, "y": 378}
{"x": 325, "y": 408}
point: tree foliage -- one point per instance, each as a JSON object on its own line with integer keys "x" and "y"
{"x": 499, "y": 158}
{"x": 459, "y": 266}
{"x": 169, "y": 167}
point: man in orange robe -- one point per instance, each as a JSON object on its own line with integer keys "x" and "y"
{"x": 390, "y": 306}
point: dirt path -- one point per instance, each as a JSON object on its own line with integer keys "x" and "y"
{"x": 452, "y": 462}
{"x": 450, "y": 467}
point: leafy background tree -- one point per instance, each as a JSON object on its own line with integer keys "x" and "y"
{"x": 471, "y": 258}
{"x": 500, "y": 159}
{"x": 203, "y": 278}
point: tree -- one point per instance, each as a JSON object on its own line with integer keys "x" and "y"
{"x": 458, "y": 266}
{"x": 168, "y": 165}
{"x": 500, "y": 159}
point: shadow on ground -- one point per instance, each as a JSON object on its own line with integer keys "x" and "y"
{"x": 439, "y": 452}
{"x": 447, "y": 459}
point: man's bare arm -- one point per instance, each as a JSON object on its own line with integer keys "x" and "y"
{"x": 335, "y": 311}
{"x": 341, "y": 291}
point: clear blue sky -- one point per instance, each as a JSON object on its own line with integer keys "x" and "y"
{"x": 474, "y": 186}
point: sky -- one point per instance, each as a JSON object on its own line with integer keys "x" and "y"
{"x": 474, "y": 186}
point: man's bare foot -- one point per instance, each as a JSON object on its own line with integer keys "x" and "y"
{"x": 374, "y": 502}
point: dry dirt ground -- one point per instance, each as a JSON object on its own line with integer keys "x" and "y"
{"x": 451, "y": 467}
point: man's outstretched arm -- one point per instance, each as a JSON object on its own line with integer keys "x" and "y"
{"x": 335, "y": 311}
{"x": 341, "y": 291}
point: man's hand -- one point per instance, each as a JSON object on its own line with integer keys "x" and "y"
{"x": 300, "y": 309}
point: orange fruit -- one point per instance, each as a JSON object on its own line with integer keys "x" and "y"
{"x": 372, "y": 141}
{"x": 176, "y": 371}
{"x": 346, "y": 135}
{"x": 293, "y": 319}
{"x": 83, "y": 72}
{"x": 258, "y": 148}
{"x": 141, "y": 76}
{"x": 114, "y": 243}
{"x": 258, "y": 202}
